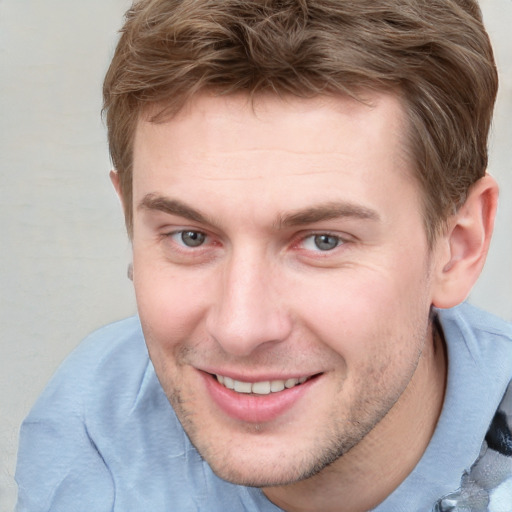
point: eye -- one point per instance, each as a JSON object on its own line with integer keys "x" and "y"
{"x": 189, "y": 238}
{"x": 322, "y": 242}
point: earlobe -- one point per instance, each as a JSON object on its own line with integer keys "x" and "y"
{"x": 462, "y": 250}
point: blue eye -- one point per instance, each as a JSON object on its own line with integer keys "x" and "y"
{"x": 322, "y": 242}
{"x": 190, "y": 238}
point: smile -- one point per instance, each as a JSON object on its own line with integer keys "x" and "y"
{"x": 259, "y": 401}
{"x": 259, "y": 388}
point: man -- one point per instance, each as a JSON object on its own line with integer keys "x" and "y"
{"x": 304, "y": 185}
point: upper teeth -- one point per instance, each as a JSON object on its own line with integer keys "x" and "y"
{"x": 260, "y": 388}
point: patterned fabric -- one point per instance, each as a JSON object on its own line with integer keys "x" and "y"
{"x": 487, "y": 487}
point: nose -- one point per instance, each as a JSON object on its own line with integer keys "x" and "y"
{"x": 248, "y": 310}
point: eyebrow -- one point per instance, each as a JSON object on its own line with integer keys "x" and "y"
{"x": 327, "y": 211}
{"x": 322, "y": 212}
{"x": 172, "y": 207}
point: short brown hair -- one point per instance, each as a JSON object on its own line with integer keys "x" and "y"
{"x": 436, "y": 53}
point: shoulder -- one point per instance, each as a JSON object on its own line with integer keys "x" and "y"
{"x": 467, "y": 318}
{"x": 479, "y": 348}
{"x": 122, "y": 340}
{"x": 110, "y": 358}
{"x": 484, "y": 335}
{"x": 58, "y": 454}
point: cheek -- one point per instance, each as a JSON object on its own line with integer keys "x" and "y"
{"x": 370, "y": 312}
{"x": 170, "y": 304}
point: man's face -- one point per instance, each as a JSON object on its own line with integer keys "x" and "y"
{"x": 281, "y": 247}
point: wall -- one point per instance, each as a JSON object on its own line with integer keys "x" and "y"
{"x": 64, "y": 252}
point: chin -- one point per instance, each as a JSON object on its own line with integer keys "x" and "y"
{"x": 271, "y": 463}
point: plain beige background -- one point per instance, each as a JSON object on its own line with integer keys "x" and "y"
{"x": 64, "y": 252}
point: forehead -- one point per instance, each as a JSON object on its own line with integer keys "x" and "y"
{"x": 278, "y": 120}
{"x": 290, "y": 147}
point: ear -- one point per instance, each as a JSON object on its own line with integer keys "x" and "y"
{"x": 114, "y": 178}
{"x": 462, "y": 249}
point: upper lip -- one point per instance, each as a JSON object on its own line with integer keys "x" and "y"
{"x": 260, "y": 377}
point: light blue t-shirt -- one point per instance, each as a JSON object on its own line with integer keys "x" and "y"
{"x": 103, "y": 436}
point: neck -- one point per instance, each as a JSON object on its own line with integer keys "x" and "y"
{"x": 362, "y": 478}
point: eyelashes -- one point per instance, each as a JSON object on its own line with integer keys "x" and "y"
{"x": 193, "y": 240}
{"x": 323, "y": 242}
{"x": 189, "y": 238}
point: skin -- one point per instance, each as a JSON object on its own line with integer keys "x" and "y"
{"x": 258, "y": 299}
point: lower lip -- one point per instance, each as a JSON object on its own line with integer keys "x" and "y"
{"x": 253, "y": 408}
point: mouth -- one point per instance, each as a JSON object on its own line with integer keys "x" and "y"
{"x": 258, "y": 401}
{"x": 265, "y": 387}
